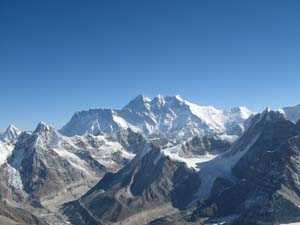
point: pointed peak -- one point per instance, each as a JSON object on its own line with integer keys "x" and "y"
{"x": 268, "y": 109}
{"x": 42, "y": 126}
{"x": 139, "y": 102}
{"x": 142, "y": 98}
{"x": 12, "y": 128}
{"x": 271, "y": 115}
{"x": 11, "y": 133}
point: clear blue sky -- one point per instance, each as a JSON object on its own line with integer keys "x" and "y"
{"x": 61, "y": 56}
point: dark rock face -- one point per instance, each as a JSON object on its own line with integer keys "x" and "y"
{"x": 144, "y": 184}
{"x": 273, "y": 130}
{"x": 130, "y": 140}
{"x": 276, "y": 177}
{"x": 39, "y": 178}
{"x": 207, "y": 144}
{"x": 42, "y": 170}
{"x": 173, "y": 220}
{"x": 13, "y": 216}
{"x": 6, "y": 191}
{"x": 267, "y": 190}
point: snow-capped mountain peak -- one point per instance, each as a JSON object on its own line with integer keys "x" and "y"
{"x": 140, "y": 103}
{"x": 11, "y": 133}
{"x": 163, "y": 116}
{"x": 7, "y": 141}
{"x": 41, "y": 127}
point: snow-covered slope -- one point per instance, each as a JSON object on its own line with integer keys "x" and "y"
{"x": 197, "y": 150}
{"x": 163, "y": 116}
{"x": 5, "y": 151}
{"x": 8, "y": 138}
{"x": 292, "y": 112}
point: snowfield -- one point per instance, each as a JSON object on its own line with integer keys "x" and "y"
{"x": 175, "y": 153}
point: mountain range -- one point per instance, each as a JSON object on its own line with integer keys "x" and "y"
{"x": 168, "y": 117}
{"x": 155, "y": 161}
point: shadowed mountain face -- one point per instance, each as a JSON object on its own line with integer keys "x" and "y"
{"x": 266, "y": 189}
{"x": 145, "y": 188}
{"x": 132, "y": 141}
{"x": 272, "y": 130}
{"x": 206, "y": 145}
{"x": 16, "y": 216}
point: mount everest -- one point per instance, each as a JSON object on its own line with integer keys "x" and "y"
{"x": 169, "y": 117}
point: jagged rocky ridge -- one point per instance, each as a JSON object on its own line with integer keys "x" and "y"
{"x": 150, "y": 185}
{"x": 44, "y": 169}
